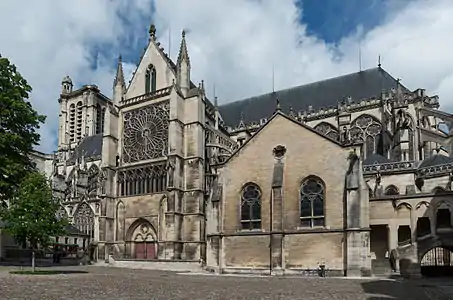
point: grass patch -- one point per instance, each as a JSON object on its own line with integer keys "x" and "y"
{"x": 37, "y": 272}
{"x": 45, "y": 272}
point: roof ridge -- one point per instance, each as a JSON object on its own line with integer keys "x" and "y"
{"x": 315, "y": 82}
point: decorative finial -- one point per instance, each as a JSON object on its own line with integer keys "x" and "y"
{"x": 183, "y": 33}
{"x": 152, "y": 31}
{"x": 379, "y": 61}
{"x": 278, "y": 105}
{"x": 216, "y": 103}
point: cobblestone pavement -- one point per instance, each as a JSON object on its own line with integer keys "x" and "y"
{"x": 116, "y": 283}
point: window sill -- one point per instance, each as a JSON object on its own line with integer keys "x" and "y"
{"x": 313, "y": 228}
{"x": 249, "y": 230}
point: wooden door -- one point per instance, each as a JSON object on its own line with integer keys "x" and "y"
{"x": 150, "y": 251}
{"x": 140, "y": 250}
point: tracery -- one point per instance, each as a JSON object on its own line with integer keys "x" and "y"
{"x": 366, "y": 129}
{"x": 84, "y": 219}
{"x": 145, "y": 133}
{"x": 327, "y": 130}
{"x": 251, "y": 207}
{"x": 145, "y": 180}
{"x": 312, "y": 194}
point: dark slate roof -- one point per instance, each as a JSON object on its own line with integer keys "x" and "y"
{"x": 375, "y": 159}
{"x": 90, "y": 146}
{"x": 321, "y": 94}
{"x": 435, "y": 160}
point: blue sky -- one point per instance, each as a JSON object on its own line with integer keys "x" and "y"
{"x": 232, "y": 44}
{"x": 331, "y": 20}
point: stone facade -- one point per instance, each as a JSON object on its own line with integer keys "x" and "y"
{"x": 161, "y": 173}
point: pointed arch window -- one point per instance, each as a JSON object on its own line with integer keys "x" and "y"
{"x": 93, "y": 180}
{"x": 150, "y": 79}
{"x": 72, "y": 121}
{"x": 312, "y": 197}
{"x": 251, "y": 207}
{"x": 84, "y": 219}
{"x": 100, "y": 111}
{"x": 391, "y": 190}
{"x": 366, "y": 129}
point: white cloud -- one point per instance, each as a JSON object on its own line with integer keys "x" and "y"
{"x": 49, "y": 39}
{"x": 232, "y": 44}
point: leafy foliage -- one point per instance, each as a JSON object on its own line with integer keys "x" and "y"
{"x": 18, "y": 128}
{"x": 31, "y": 215}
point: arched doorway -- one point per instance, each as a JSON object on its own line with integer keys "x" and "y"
{"x": 141, "y": 241}
{"x": 437, "y": 262}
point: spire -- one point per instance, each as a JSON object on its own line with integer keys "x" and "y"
{"x": 183, "y": 53}
{"x": 119, "y": 78}
{"x": 119, "y": 86}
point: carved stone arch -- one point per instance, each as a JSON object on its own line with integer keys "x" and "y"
{"x": 438, "y": 190}
{"x": 423, "y": 202}
{"x": 83, "y": 218}
{"x": 328, "y": 130}
{"x": 404, "y": 205}
{"x": 366, "y": 129}
{"x": 120, "y": 221}
{"x": 444, "y": 204}
{"x": 141, "y": 240}
{"x": 391, "y": 190}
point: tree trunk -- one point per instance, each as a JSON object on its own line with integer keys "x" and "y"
{"x": 33, "y": 260}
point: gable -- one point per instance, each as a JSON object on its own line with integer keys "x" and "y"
{"x": 322, "y": 94}
{"x": 165, "y": 71}
{"x": 281, "y": 130}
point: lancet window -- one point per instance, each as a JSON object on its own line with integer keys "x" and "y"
{"x": 150, "y": 79}
{"x": 251, "y": 207}
{"x": 72, "y": 123}
{"x": 145, "y": 133}
{"x": 79, "y": 114}
{"x": 140, "y": 181}
{"x": 366, "y": 129}
{"x": 312, "y": 197}
{"x": 93, "y": 180}
{"x": 327, "y": 130}
{"x": 100, "y": 112}
{"x": 84, "y": 219}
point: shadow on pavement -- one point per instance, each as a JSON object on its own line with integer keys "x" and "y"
{"x": 402, "y": 290}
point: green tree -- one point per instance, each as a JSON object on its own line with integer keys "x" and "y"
{"x": 19, "y": 123}
{"x": 31, "y": 215}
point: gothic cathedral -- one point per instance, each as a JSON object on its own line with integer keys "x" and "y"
{"x": 334, "y": 174}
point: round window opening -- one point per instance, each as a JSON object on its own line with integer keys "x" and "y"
{"x": 279, "y": 151}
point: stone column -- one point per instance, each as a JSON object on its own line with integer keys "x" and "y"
{"x": 357, "y": 232}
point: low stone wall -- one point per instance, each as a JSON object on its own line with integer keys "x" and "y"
{"x": 163, "y": 265}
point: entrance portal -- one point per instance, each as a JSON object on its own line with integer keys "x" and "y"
{"x": 437, "y": 262}
{"x": 145, "y": 250}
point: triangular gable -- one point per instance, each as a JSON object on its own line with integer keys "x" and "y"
{"x": 165, "y": 67}
{"x": 279, "y": 113}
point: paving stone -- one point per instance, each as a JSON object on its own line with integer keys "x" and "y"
{"x": 117, "y": 283}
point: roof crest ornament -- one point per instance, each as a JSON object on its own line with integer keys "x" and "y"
{"x": 152, "y": 32}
